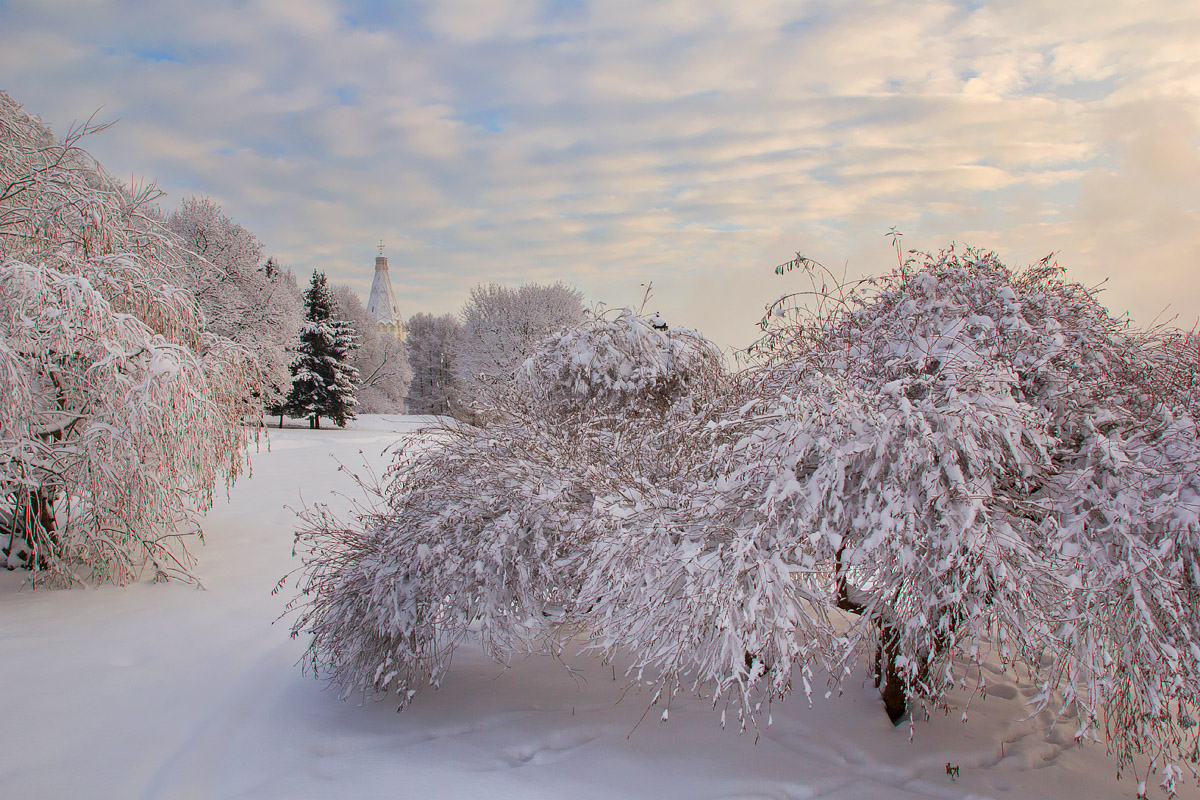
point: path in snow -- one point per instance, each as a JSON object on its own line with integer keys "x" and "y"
{"x": 168, "y": 691}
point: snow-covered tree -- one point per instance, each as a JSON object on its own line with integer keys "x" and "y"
{"x": 489, "y": 532}
{"x": 501, "y": 326}
{"x": 951, "y": 463}
{"x": 323, "y": 379}
{"x": 119, "y": 412}
{"x": 967, "y": 459}
{"x": 631, "y": 363}
{"x": 380, "y": 360}
{"x": 244, "y": 297}
{"x": 431, "y": 344}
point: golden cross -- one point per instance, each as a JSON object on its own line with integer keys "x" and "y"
{"x": 381, "y": 247}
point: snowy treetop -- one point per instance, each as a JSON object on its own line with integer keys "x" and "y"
{"x": 626, "y": 360}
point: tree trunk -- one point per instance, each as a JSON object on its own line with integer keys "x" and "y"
{"x": 887, "y": 677}
{"x": 895, "y": 701}
{"x": 34, "y": 526}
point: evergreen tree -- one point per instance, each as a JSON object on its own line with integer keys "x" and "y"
{"x": 323, "y": 380}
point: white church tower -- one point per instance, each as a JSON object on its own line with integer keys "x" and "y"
{"x": 382, "y": 305}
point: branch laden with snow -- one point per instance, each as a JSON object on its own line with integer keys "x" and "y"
{"x": 486, "y": 534}
{"x": 951, "y": 463}
{"x": 120, "y": 413}
{"x": 244, "y": 296}
{"x": 1011, "y": 468}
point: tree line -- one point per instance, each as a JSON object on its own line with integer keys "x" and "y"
{"x": 447, "y": 365}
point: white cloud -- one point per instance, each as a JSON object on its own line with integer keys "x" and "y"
{"x": 614, "y": 144}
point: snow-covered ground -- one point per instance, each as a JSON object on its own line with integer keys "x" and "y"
{"x": 169, "y": 691}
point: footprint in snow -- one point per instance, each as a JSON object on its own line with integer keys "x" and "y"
{"x": 556, "y": 747}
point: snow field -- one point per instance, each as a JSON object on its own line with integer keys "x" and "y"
{"x": 168, "y": 691}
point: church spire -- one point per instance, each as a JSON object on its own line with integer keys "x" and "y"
{"x": 382, "y": 306}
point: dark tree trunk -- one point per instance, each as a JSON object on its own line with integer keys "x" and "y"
{"x": 887, "y": 677}
{"x": 895, "y": 702}
{"x": 34, "y": 528}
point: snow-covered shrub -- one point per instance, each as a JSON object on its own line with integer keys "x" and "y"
{"x": 486, "y": 532}
{"x": 119, "y": 413}
{"x": 744, "y": 553}
{"x": 953, "y": 462}
{"x": 630, "y": 362}
{"x": 473, "y": 537}
{"x": 969, "y": 457}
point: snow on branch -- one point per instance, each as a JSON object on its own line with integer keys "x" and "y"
{"x": 918, "y": 472}
{"x": 487, "y": 534}
{"x": 120, "y": 413}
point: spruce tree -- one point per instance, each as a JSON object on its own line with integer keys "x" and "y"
{"x": 322, "y": 379}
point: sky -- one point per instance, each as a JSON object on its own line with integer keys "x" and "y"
{"x": 690, "y": 146}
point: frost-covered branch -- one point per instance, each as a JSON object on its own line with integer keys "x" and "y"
{"x": 916, "y": 473}
{"x": 119, "y": 412}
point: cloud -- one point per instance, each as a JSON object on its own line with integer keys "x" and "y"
{"x": 621, "y": 143}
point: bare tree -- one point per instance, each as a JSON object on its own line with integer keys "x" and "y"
{"x": 119, "y": 412}
{"x": 501, "y": 327}
{"x": 381, "y": 360}
{"x": 244, "y": 296}
{"x": 431, "y": 343}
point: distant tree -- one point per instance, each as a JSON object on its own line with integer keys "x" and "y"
{"x": 431, "y": 346}
{"x": 244, "y": 297}
{"x": 323, "y": 380}
{"x": 381, "y": 360}
{"x": 501, "y": 327}
{"x": 119, "y": 411}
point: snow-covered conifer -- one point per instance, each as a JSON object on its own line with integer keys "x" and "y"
{"x": 323, "y": 379}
